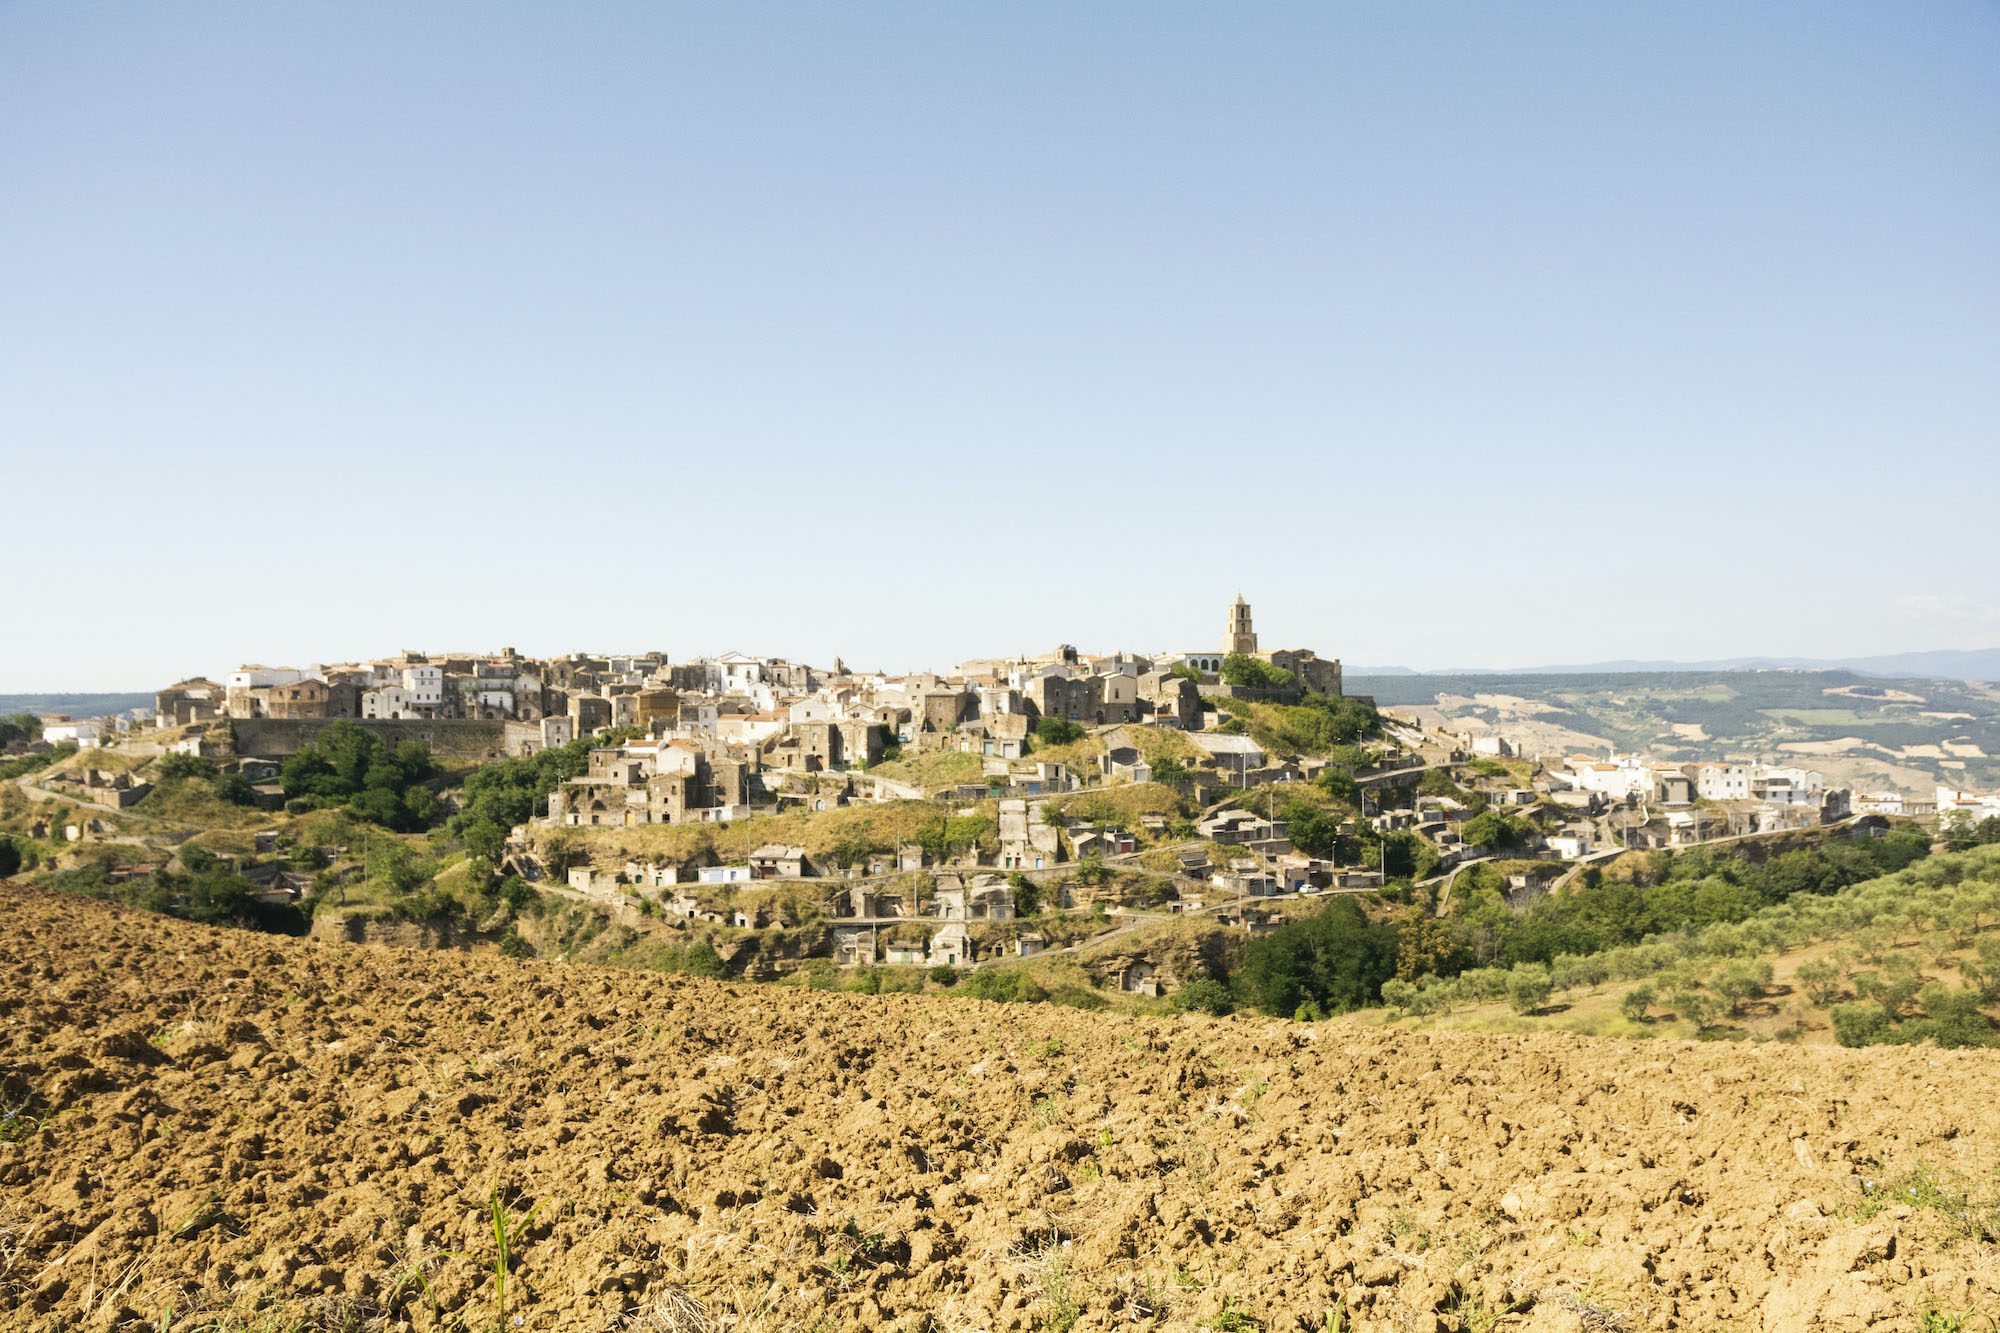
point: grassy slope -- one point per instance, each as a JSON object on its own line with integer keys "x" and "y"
{"x": 1891, "y": 919}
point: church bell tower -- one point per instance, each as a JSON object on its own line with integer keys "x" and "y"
{"x": 1241, "y": 637}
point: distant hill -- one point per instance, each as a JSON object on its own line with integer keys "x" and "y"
{"x": 76, "y": 705}
{"x": 1942, "y": 664}
{"x": 1873, "y": 731}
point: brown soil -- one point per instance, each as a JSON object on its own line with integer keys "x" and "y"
{"x": 223, "y": 1122}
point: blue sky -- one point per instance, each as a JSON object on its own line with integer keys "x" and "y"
{"x": 1450, "y": 334}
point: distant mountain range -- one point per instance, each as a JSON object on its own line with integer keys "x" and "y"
{"x": 1944, "y": 664}
{"x": 76, "y": 705}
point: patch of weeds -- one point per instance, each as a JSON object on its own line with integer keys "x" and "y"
{"x": 1048, "y": 1048}
{"x": 1963, "y": 1217}
{"x": 207, "y": 1213}
{"x": 856, "y": 1251}
{"x": 1469, "y": 1311}
{"x": 1234, "y": 1319}
{"x": 1402, "y": 1229}
{"x": 1059, "y": 1307}
{"x": 17, "y": 1117}
{"x": 1185, "y": 1279}
{"x": 1046, "y": 1112}
{"x": 1970, "y": 1320}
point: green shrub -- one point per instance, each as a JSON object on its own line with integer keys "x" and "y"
{"x": 1005, "y": 984}
{"x": 1860, "y": 1024}
{"x": 1203, "y": 995}
{"x": 1529, "y": 987}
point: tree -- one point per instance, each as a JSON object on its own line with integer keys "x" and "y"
{"x": 10, "y": 856}
{"x": 1491, "y": 829}
{"x": 1697, "y": 1005}
{"x": 1246, "y": 672}
{"x": 1053, "y": 730}
{"x": 180, "y": 767}
{"x": 1424, "y": 945}
{"x": 1951, "y": 1018}
{"x": 1635, "y": 1003}
{"x": 19, "y": 728}
{"x": 1529, "y": 986}
{"x": 1821, "y": 979}
{"x": 1203, "y": 995}
{"x": 346, "y": 765}
{"x": 1027, "y": 894}
{"x": 1860, "y": 1024}
{"x": 1739, "y": 982}
{"x": 1336, "y": 958}
{"x": 1169, "y": 771}
{"x": 1397, "y": 993}
{"x": 235, "y": 789}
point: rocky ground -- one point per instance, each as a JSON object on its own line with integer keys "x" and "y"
{"x": 205, "y": 1129}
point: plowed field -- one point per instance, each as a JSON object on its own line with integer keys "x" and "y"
{"x": 211, "y": 1128}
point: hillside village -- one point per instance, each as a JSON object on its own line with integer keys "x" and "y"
{"x": 1066, "y": 802}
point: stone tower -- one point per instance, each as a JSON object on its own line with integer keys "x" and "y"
{"x": 1241, "y": 637}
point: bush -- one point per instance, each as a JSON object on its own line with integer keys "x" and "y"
{"x": 943, "y": 976}
{"x": 1697, "y": 1004}
{"x": 1078, "y": 997}
{"x": 1058, "y": 731}
{"x": 1246, "y": 672}
{"x": 1529, "y": 987}
{"x": 1204, "y": 996}
{"x": 1860, "y": 1024}
{"x": 513, "y": 946}
{"x": 1004, "y": 984}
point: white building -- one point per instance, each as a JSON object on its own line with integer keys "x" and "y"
{"x": 388, "y": 702}
{"x": 1572, "y": 845}
{"x": 1955, "y": 804}
{"x": 1618, "y": 777}
{"x": 1787, "y": 786}
{"x": 425, "y": 685}
{"x": 1721, "y": 782}
{"x": 84, "y": 734}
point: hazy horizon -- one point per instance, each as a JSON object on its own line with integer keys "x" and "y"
{"x": 1544, "y": 333}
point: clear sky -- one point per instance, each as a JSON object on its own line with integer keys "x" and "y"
{"x": 1449, "y": 333}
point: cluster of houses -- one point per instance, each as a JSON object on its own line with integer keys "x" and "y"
{"x": 87, "y": 732}
{"x": 1960, "y": 805}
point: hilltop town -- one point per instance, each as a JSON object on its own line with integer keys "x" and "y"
{"x": 794, "y": 816}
